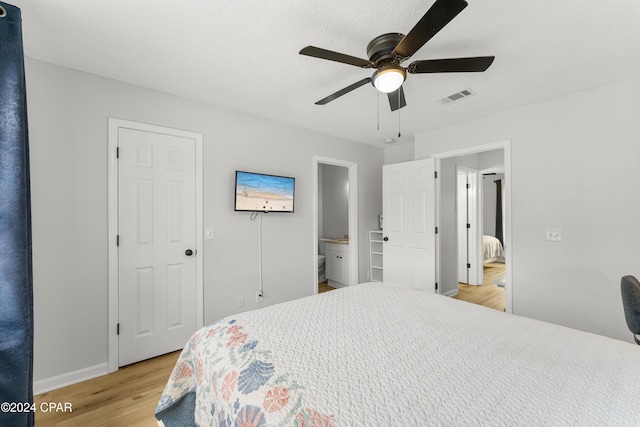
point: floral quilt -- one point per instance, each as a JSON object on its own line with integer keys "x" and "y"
{"x": 240, "y": 385}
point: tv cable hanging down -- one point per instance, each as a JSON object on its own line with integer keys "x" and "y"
{"x": 253, "y": 217}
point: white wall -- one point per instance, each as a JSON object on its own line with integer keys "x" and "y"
{"x": 68, "y": 113}
{"x": 399, "y": 153}
{"x": 493, "y": 159}
{"x": 575, "y": 167}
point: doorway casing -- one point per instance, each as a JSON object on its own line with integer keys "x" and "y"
{"x": 506, "y": 147}
{"x": 353, "y": 215}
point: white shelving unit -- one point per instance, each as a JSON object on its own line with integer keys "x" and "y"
{"x": 375, "y": 255}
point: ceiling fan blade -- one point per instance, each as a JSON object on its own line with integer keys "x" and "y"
{"x": 396, "y": 99}
{"x": 452, "y": 65}
{"x": 439, "y": 15}
{"x": 344, "y": 91}
{"x": 317, "y": 52}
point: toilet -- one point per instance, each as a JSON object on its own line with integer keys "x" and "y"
{"x": 321, "y": 273}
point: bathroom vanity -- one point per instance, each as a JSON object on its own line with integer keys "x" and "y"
{"x": 337, "y": 262}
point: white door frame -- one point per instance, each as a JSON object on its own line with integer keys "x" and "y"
{"x": 506, "y": 147}
{"x": 112, "y": 180}
{"x": 353, "y": 216}
{"x": 474, "y": 217}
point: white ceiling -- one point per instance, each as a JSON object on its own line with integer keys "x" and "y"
{"x": 243, "y": 55}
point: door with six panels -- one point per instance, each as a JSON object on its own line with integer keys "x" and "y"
{"x": 156, "y": 243}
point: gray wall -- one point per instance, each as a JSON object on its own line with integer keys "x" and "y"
{"x": 335, "y": 201}
{"x": 575, "y": 167}
{"x": 399, "y": 153}
{"x": 68, "y": 113}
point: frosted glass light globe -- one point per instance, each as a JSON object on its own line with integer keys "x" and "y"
{"x": 389, "y": 80}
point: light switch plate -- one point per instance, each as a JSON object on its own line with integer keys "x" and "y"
{"x": 554, "y": 234}
{"x": 208, "y": 234}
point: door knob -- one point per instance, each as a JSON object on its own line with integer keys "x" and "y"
{"x": 188, "y": 252}
{"x": 386, "y": 239}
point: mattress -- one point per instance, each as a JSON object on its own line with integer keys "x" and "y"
{"x": 492, "y": 250}
{"x": 381, "y": 355}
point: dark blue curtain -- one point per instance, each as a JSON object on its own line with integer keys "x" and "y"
{"x": 16, "y": 281}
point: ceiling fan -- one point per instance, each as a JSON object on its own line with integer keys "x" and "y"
{"x": 388, "y": 51}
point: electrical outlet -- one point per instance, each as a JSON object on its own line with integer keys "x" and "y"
{"x": 240, "y": 302}
{"x": 259, "y": 296}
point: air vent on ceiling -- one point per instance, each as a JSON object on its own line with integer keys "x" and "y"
{"x": 457, "y": 96}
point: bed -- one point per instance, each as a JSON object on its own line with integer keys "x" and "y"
{"x": 375, "y": 354}
{"x": 492, "y": 250}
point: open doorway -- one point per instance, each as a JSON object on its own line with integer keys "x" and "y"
{"x": 493, "y": 232}
{"x": 467, "y": 216}
{"x": 335, "y": 224}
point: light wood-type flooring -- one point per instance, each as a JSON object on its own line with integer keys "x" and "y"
{"x": 489, "y": 294}
{"x": 324, "y": 287}
{"x": 125, "y": 398}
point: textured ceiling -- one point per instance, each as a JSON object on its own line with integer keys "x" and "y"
{"x": 243, "y": 55}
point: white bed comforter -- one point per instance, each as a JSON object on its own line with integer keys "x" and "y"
{"x": 492, "y": 250}
{"x": 380, "y": 355}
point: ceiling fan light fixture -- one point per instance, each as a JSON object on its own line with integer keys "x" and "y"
{"x": 389, "y": 79}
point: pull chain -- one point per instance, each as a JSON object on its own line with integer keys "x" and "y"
{"x": 399, "y": 135}
{"x": 378, "y": 103}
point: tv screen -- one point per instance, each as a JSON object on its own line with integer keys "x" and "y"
{"x": 257, "y": 192}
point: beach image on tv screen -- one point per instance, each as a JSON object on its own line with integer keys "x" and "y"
{"x": 267, "y": 193}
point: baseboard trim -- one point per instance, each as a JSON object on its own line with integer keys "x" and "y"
{"x": 337, "y": 285}
{"x": 451, "y": 293}
{"x": 59, "y": 381}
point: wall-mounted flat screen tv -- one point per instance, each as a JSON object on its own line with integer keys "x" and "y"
{"x": 258, "y": 192}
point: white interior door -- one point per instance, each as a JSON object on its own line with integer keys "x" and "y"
{"x": 475, "y": 229}
{"x": 462, "y": 213}
{"x": 468, "y": 226}
{"x": 157, "y": 243}
{"x": 409, "y": 224}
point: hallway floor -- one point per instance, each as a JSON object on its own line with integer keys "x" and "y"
{"x": 489, "y": 294}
